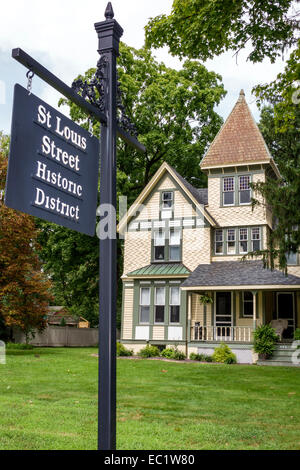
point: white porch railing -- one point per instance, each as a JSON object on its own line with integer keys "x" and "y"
{"x": 221, "y": 333}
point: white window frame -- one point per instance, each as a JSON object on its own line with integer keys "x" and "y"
{"x": 144, "y": 305}
{"x": 178, "y": 230}
{"x": 219, "y": 241}
{"x": 248, "y": 301}
{"x": 241, "y": 190}
{"x": 243, "y": 240}
{"x": 255, "y": 239}
{"x": 163, "y": 233}
{"x": 167, "y": 200}
{"x": 226, "y": 191}
{"x": 174, "y": 305}
{"x": 231, "y": 241}
{"x": 159, "y": 305}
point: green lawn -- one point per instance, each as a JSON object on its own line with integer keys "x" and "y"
{"x": 48, "y": 400}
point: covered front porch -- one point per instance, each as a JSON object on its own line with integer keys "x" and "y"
{"x": 222, "y": 311}
{"x": 233, "y": 315}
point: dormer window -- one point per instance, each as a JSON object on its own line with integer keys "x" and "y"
{"x": 228, "y": 191}
{"x": 244, "y": 189}
{"x": 167, "y": 200}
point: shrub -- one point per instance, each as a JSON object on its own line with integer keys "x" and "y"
{"x": 149, "y": 351}
{"x": 230, "y": 359}
{"x": 297, "y": 334}
{"x": 224, "y": 354}
{"x": 173, "y": 353}
{"x": 264, "y": 340}
{"x": 195, "y": 357}
{"x": 168, "y": 353}
{"x": 208, "y": 358}
{"x": 198, "y": 357}
{"x": 122, "y": 351}
{"x": 19, "y": 346}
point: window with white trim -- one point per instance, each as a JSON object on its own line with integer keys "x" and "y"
{"x": 244, "y": 189}
{"x": 145, "y": 305}
{"x": 255, "y": 238}
{"x": 228, "y": 191}
{"x": 231, "y": 249}
{"x": 247, "y": 304}
{"x": 159, "y": 245}
{"x": 174, "y": 244}
{"x": 243, "y": 240}
{"x": 174, "y": 304}
{"x": 167, "y": 199}
{"x": 160, "y": 296}
{"x": 219, "y": 242}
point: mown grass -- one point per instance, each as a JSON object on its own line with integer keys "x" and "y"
{"x": 48, "y": 400}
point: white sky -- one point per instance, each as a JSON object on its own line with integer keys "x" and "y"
{"x": 60, "y": 35}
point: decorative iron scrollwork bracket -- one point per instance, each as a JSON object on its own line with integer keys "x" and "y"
{"x": 93, "y": 91}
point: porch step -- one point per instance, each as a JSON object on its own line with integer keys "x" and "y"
{"x": 282, "y": 357}
{"x": 271, "y": 362}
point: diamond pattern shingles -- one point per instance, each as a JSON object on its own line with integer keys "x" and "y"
{"x": 238, "y": 141}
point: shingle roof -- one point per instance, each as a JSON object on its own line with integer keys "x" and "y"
{"x": 161, "y": 270}
{"x": 238, "y": 273}
{"x": 201, "y": 195}
{"x": 239, "y": 139}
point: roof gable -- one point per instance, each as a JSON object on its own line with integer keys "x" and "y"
{"x": 198, "y": 197}
{"x": 238, "y": 141}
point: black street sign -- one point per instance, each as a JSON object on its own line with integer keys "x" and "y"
{"x": 53, "y": 165}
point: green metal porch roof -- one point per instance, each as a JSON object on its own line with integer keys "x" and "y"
{"x": 163, "y": 269}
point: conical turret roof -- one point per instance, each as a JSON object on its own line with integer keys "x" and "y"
{"x": 238, "y": 141}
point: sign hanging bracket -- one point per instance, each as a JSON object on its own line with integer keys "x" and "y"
{"x": 29, "y": 75}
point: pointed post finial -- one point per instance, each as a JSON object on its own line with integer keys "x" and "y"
{"x": 109, "y": 12}
{"x": 241, "y": 96}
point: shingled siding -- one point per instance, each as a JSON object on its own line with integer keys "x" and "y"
{"x": 196, "y": 247}
{"x": 137, "y": 251}
{"x": 234, "y": 215}
{"x": 151, "y": 211}
{"x": 127, "y": 320}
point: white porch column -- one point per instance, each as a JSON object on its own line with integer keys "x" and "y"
{"x": 254, "y": 293}
{"x": 189, "y": 306}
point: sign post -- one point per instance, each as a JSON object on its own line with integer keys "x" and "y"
{"x": 53, "y": 174}
{"x": 109, "y": 33}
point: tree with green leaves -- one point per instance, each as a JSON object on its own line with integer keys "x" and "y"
{"x": 282, "y": 197}
{"x": 173, "y": 112}
{"x": 202, "y": 29}
{"x": 25, "y": 290}
{"x": 284, "y": 94}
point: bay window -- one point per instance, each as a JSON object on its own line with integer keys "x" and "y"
{"x": 159, "y": 305}
{"x": 145, "y": 305}
{"x": 174, "y": 304}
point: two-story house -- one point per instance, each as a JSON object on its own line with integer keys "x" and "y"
{"x": 184, "y": 280}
